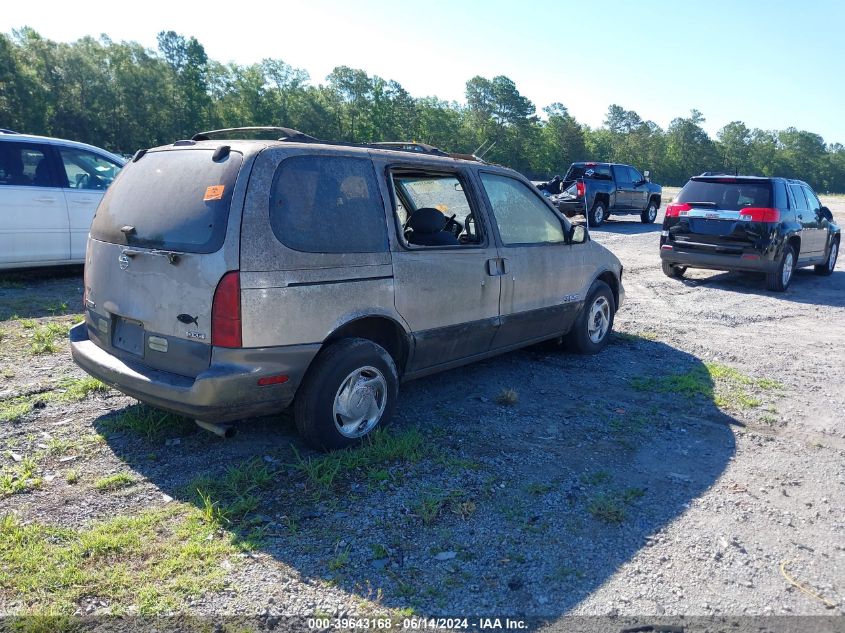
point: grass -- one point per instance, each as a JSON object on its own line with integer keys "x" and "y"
{"x": 14, "y": 409}
{"x": 233, "y": 496}
{"x": 610, "y": 506}
{"x": 22, "y": 477}
{"x": 507, "y": 397}
{"x": 72, "y": 476}
{"x": 597, "y": 478}
{"x": 723, "y": 385}
{"x": 44, "y": 337}
{"x": 147, "y": 422}
{"x": 380, "y": 449}
{"x": 149, "y": 563}
{"x": 66, "y": 390}
{"x": 114, "y": 482}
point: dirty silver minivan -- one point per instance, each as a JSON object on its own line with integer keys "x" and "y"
{"x": 232, "y": 277}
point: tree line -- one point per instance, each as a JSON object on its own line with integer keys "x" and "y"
{"x": 123, "y": 96}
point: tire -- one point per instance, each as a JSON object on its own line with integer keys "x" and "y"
{"x": 591, "y": 331}
{"x": 827, "y": 268}
{"x": 778, "y": 281}
{"x": 598, "y": 214}
{"x": 649, "y": 213}
{"x": 672, "y": 270}
{"x": 348, "y": 392}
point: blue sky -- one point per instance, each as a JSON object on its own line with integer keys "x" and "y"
{"x": 770, "y": 64}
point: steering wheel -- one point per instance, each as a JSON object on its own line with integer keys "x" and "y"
{"x": 453, "y": 226}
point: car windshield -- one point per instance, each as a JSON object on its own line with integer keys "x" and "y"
{"x": 730, "y": 194}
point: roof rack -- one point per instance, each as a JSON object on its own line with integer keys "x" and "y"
{"x": 295, "y": 136}
{"x": 281, "y": 133}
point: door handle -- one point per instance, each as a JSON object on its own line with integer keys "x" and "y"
{"x": 495, "y": 267}
{"x": 82, "y": 201}
{"x": 45, "y": 200}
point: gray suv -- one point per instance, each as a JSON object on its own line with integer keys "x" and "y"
{"x": 231, "y": 277}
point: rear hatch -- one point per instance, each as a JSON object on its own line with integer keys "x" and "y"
{"x": 157, "y": 252}
{"x": 721, "y": 214}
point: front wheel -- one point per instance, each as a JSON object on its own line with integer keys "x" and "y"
{"x": 597, "y": 215}
{"x": 592, "y": 328}
{"x": 779, "y": 279}
{"x": 827, "y": 268}
{"x": 349, "y": 391}
{"x": 649, "y": 213}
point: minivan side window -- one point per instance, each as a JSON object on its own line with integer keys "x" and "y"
{"x": 24, "y": 164}
{"x": 522, "y": 217}
{"x": 328, "y": 204}
{"x": 433, "y": 209}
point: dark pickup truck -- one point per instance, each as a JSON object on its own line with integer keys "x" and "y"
{"x": 600, "y": 189}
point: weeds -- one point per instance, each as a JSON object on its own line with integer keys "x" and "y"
{"x": 507, "y": 397}
{"x": 114, "y": 482}
{"x": 14, "y": 409}
{"x": 44, "y": 337}
{"x": 147, "y": 422}
{"x": 72, "y": 476}
{"x": 19, "y": 478}
{"x": 149, "y": 563}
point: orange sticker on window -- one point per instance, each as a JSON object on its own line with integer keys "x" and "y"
{"x": 214, "y": 192}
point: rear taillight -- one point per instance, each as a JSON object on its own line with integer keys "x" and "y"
{"x": 674, "y": 210}
{"x": 580, "y": 188}
{"x": 226, "y": 311}
{"x": 759, "y": 214}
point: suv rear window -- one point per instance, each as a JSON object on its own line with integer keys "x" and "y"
{"x": 328, "y": 204}
{"x": 174, "y": 200}
{"x": 727, "y": 194}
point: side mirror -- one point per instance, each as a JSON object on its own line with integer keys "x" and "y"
{"x": 647, "y": 176}
{"x": 577, "y": 234}
{"x": 826, "y": 214}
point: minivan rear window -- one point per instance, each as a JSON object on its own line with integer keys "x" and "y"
{"x": 173, "y": 200}
{"x": 727, "y": 194}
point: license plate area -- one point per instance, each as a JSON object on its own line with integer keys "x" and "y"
{"x": 128, "y": 336}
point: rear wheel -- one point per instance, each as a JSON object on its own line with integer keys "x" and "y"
{"x": 649, "y": 213}
{"x": 592, "y": 328}
{"x": 830, "y": 264}
{"x": 598, "y": 214}
{"x": 349, "y": 391}
{"x": 778, "y": 280}
{"x": 671, "y": 270}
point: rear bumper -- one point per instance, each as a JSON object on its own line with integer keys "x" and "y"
{"x": 227, "y": 390}
{"x": 751, "y": 261}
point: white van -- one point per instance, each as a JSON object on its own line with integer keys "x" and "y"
{"x": 49, "y": 190}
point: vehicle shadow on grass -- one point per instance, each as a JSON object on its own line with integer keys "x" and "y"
{"x": 806, "y": 287}
{"x": 516, "y": 486}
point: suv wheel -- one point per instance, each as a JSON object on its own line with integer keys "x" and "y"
{"x": 779, "y": 279}
{"x": 592, "y": 328}
{"x": 347, "y": 393}
{"x": 671, "y": 270}
{"x": 597, "y": 215}
{"x": 830, "y": 264}
{"x": 650, "y": 213}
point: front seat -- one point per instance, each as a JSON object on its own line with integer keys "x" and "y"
{"x": 42, "y": 174}
{"x": 426, "y": 229}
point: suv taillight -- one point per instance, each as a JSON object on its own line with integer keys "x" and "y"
{"x": 759, "y": 214}
{"x": 226, "y": 311}
{"x": 674, "y": 210}
{"x": 580, "y": 188}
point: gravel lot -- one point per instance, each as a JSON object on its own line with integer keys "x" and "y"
{"x": 692, "y": 468}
